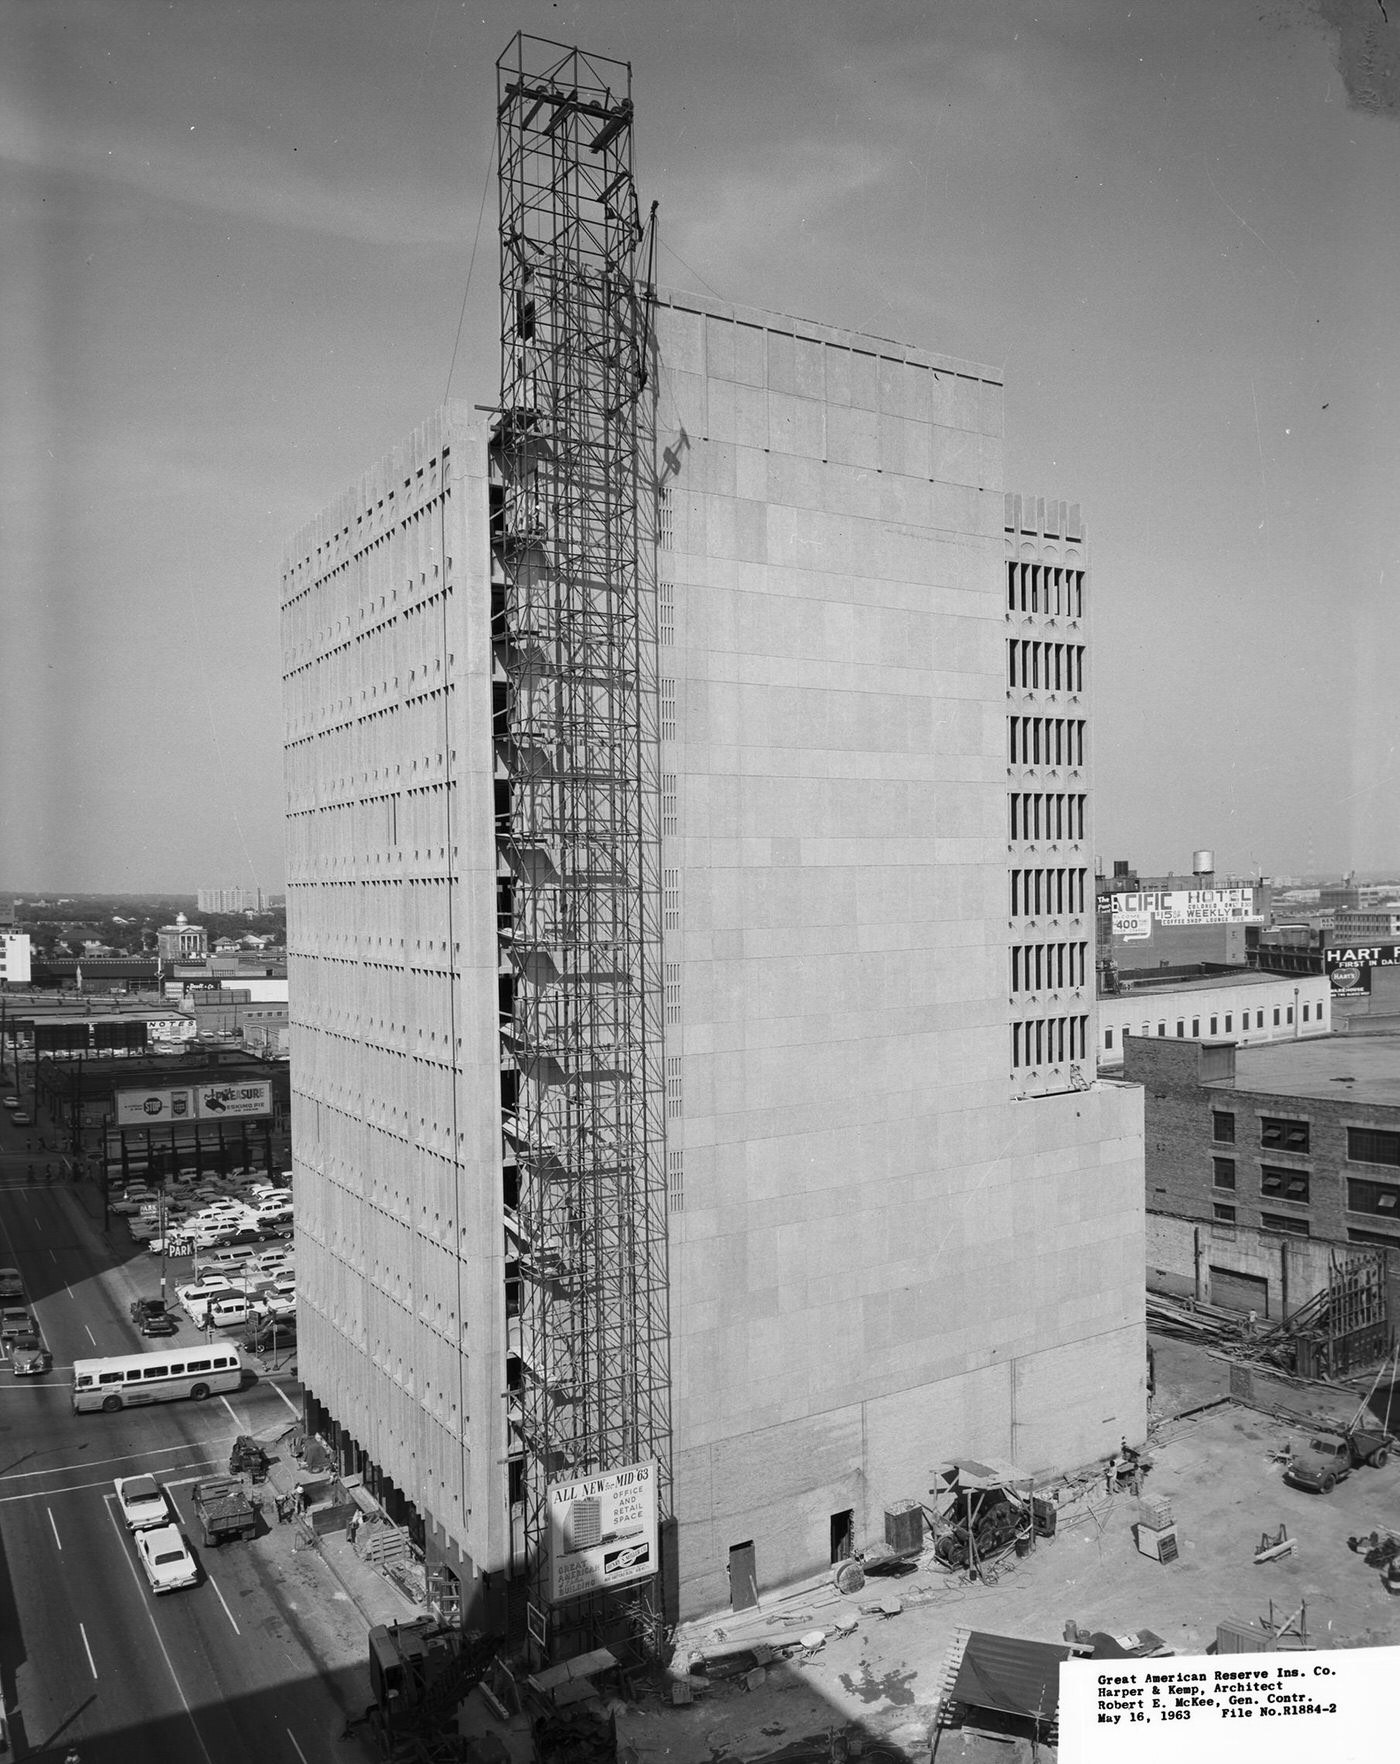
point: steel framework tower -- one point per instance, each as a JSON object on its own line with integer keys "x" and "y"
{"x": 577, "y": 790}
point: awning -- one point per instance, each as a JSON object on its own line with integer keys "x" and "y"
{"x": 1011, "y": 1676}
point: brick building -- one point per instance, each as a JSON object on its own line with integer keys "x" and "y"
{"x": 1264, "y": 1163}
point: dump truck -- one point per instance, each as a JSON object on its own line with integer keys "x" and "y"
{"x": 224, "y": 1510}
{"x": 1328, "y": 1458}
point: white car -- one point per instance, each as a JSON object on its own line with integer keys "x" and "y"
{"x": 199, "y": 1292}
{"x": 165, "y": 1556}
{"x": 141, "y": 1502}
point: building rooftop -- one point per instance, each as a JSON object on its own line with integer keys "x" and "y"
{"x": 1144, "y": 981}
{"x": 1327, "y": 1066}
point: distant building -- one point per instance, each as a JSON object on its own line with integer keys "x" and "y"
{"x": 231, "y": 900}
{"x": 1149, "y": 922}
{"x": 182, "y": 942}
{"x": 16, "y": 956}
{"x": 1367, "y": 924}
{"x": 1210, "y": 1004}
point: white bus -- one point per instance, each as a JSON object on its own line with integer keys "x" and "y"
{"x": 125, "y": 1380}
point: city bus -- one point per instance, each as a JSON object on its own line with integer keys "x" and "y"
{"x": 126, "y": 1380}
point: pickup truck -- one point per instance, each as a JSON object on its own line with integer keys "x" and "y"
{"x": 222, "y": 1506}
{"x": 1325, "y": 1461}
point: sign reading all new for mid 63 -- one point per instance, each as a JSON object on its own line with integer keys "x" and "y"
{"x": 602, "y": 1530}
{"x": 195, "y": 1102}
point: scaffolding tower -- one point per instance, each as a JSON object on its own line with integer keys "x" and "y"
{"x": 577, "y": 800}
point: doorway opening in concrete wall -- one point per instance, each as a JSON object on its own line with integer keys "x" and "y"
{"x": 843, "y": 1535}
{"x": 743, "y": 1577}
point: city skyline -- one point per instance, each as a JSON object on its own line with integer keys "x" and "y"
{"x": 242, "y": 236}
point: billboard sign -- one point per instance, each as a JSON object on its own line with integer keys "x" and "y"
{"x": 602, "y": 1531}
{"x": 197, "y": 1102}
{"x": 214, "y": 1102}
{"x": 1349, "y": 970}
{"x": 1183, "y": 906}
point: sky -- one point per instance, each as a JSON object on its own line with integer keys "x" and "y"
{"x": 248, "y": 247}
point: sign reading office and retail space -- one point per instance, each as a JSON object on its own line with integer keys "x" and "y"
{"x": 602, "y": 1530}
{"x": 193, "y": 1102}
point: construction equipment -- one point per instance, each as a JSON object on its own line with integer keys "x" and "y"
{"x": 420, "y": 1674}
{"x": 1335, "y": 1452}
{"x": 573, "y": 542}
{"x": 224, "y": 1511}
{"x": 902, "y": 1544}
{"x": 247, "y": 1458}
{"x": 1273, "y": 1547}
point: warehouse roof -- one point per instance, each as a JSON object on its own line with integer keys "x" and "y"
{"x": 1330, "y": 1067}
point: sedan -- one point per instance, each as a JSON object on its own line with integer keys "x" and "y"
{"x": 29, "y": 1358}
{"x": 11, "y": 1284}
{"x": 198, "y": 1294}
{"x": 11, "y": 1102}
{"x": 21, "y": 1118}
{"x": 141, "y": 1501}
{"x": 165, "y": 1556}
{"x": 133, "y": 1201}
{"x": 14, "y": 1322}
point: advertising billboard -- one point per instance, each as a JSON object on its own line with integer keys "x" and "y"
{"x": 1349, "y": 970}
{"x": 1134, "y": 914}
{"x": 192, "y": 1102}
{"x": 602, "y": 1531}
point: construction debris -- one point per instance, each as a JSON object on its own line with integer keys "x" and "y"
{"x": 1274, "y": 1546}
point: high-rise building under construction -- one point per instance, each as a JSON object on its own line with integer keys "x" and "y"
{"x": 690, "y": 929}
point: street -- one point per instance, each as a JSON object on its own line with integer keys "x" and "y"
{"x": 217, "y": 1674}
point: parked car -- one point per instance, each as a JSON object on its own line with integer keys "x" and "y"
{"x": 141, "y": 1502}
{"x": 226, "y": 1311}
{"x": 270, "y": 1334}
{"x": 132, "y": 1200}
{"x": 151, "y": 1317}
{"x": 29, "y": 1358}
{"x": 198, "y": 1292}
{"x": 11, "y": 1285}
{"x": 12, "y": 1102}
{"x": 21, "y": 1118}
{"x": 165, "y": 1557}
{"x": 14, "y": 1322}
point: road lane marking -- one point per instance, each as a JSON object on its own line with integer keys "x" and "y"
{"x": 160, "y": 1639}
{"x": 122, "y": 1458}
{"x": 45, "y": 1494}
{"x": 293, "y": 1738}
{"x": 242, "y": 1426}
{"x": 223, "y": 1601}
{"x": 286, "y": 1399}
{"x": 92, "y": 1667}
{"x": 52, "y": 1521}
{"x": 91, "y": 1337}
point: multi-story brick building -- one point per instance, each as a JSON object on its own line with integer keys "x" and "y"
{"x": 1266, "y": 1163}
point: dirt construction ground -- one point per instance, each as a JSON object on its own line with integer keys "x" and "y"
{"x": 1218, "y": 1468}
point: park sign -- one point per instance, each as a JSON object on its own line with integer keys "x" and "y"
{"x": 602, "y": 1531}
{"x": 192, "y": 1102}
